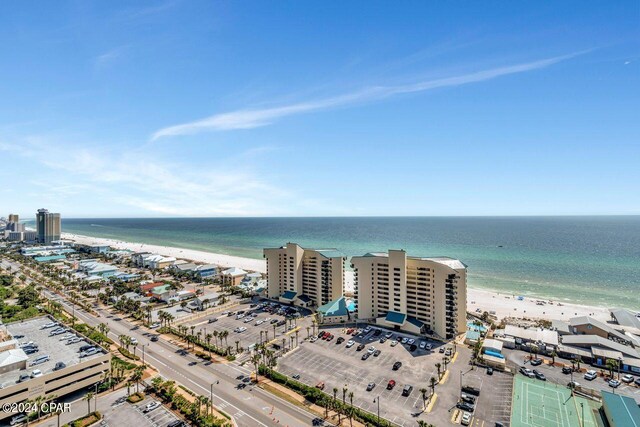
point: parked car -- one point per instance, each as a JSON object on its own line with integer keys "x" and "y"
{"x": 393, "y": 343}
{"x": 350, "y": 343}
{"x": 397, "y": 366}
{"x": 413, "y": 347}
{"x": 404, "y": 340}
{"x": 391, "y": 384}
{"x": 566, "y": 370}
{"x": 151, "y": 406}
{"x": 376, "y": 353}
{"x": 36, "y": 373}
{"x": 466, "y": 419}
{"x": 423, "y": 345}
{"x": 296, "y": 377}
{"x": 23, "y": 378}
{"x": 383, "y": 340}
{"x": 539, "y": 375}
{"x": 527, "y": 372}
{"x": 468, "y": 398}
{"x": 365, "y": 356}
{"x": 388, "y": 335}
{"x": 18, "y": 419}
{"x": 407, "y": 389}
{"x": 637, "y": 381}
{"x": 536, "y": 362}
{"x": 614, "y": 383}
{"x": 573, "y": 384}
{"x": 441, "y": 350}
{"x": 40, "y": 359}
{"x": 360, "y": 347}
{"x": 410, "y": 341}
{"x": 627, "y": 379}
{"x": 471, "y": 390}
{"x": 590, "y": 375}
{"x": 320, "y": 385}
{"x": 371, "y": 386}
{"x": 489, "y": 370}
{"x": 89, "y": 352}
{"x": 465, "y": 406}
{"x": 340, "y": 340}
{"x": 59, "y": 365}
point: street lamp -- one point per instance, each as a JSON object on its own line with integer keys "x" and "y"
{"x": 582, "y": 410}
{"x": 143, "y": 362}
{"x": 377, "y": 400}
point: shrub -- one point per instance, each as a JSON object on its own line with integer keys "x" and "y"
{"x": 126, "y": 353}
{"x": 135, "y": 397}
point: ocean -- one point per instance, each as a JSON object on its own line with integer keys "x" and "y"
{"x": 586, "y": 260}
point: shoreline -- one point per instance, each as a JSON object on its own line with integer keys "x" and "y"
{"x": 502, "y": 303}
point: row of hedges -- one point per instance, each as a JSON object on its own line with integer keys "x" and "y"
{"x": 126, "y": 353}
{"x": 319, "y": 398}
{"x": 86, "y": 420}
{"x": 192, "y": 411}
{"x": 209, "y": 347}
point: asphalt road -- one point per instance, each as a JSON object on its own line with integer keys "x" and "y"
{"x": 249, "y": 407}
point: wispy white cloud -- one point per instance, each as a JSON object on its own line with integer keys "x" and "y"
{"x": 253, "y": 118}
{"x": 109, "y": 56}
{"x": 138, "y": 180}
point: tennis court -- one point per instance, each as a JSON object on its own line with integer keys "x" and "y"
{"x": 542, "y": 404}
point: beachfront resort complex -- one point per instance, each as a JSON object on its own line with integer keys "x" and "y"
{"x": 357, "y": 324}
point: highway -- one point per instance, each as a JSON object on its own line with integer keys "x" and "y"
{"x": 249, "y": 407}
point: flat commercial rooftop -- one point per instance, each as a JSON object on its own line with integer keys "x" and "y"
{"x": 52, "y": 346}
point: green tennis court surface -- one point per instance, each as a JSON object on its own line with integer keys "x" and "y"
{"x": 542, "y": 404}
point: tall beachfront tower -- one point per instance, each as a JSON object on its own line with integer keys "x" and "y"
{"x": 48, "y": 225}
{"x": 419, "y": 295}
{"x": 306, "y": 277}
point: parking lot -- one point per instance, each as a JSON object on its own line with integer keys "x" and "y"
{"x": 269, "y": 323}
{"x": 339, "y": 366}
{"x": 494, "y": 403}
{"x": 159, "y": 417}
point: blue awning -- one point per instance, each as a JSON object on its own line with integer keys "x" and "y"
{"x": 395, "y": 317}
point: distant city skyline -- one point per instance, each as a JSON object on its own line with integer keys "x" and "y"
{"x": 287, "y": 109}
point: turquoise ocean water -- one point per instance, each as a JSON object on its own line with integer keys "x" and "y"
{"x": 587, "y": 260}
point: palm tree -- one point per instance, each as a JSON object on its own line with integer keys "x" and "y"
{"x": 423, "y": 392}
{"x": 335, "y": 403}
{"x": 351, "y": 409}
{"x": 297, "y": 330}
{"x": 137, "y": 376}
{"x": 553, "y": 357}
{"x": 274, "y": 331}
{"x": 308, "y": 329}
{"x": 88, "y": 398}
{"x": 439, "y": 367}
{"x": 237, "y": 347}
{"x": 208, "y": 340}
{"x": 255, "y": 359}
{"x": 432, "y": 384}
{"x": 612, "y": 365}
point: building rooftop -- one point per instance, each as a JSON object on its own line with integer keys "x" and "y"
{"x": 595, "y": 340}
{"x": 586, "y": 320}
{"x": 449, "y": 262}
{"x": 52, "y": 346}
{"x": 395, "y": 317}
{"x": 625, "y": 317}
{"x": 234, "y": 271}
{"x": 330, "y": 253}
{"x": 532, "y": 334}
{"x": 336, "y": 307}
{"x": 621, "y": 411}
{"x": 289, "y": 295}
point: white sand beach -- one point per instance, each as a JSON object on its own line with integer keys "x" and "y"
{"x": 504, "y": 305}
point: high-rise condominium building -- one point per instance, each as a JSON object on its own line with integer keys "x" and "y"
{"x": 307, "y": 277}
{"x": 419, "y": 295}
{"x": 13, "y": 223}
{"x": 14, "y": 218}
{"x": 48, "y": 225}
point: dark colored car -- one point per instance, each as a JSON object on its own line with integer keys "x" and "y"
{"x": 566, "y": 370}
{"x": 413, "y": 347}
{"x": 489, "y": 371}
{"x": 59, "y": 365}
{"x": 366, "y": 356}
{"x": 154, "y": 338}
{"x": 360, "y": 347}
{"x": 471, "y": 390}
{"x": 536, "y": 362}
{"x": 213, "y": 320}
{"x": 465, "y": 406}
{"x": 397, "y": 366}
{"x": 340, "y": 340}
{"x": 539, "y": 375}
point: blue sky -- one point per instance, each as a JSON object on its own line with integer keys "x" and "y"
{"x": 186, "y": 108}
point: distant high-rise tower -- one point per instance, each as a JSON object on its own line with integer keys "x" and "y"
{"x": 14, "y": 223}
{"x": 49, "y": 226}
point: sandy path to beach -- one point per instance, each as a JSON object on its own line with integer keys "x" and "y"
{"x": 504, "y": 305}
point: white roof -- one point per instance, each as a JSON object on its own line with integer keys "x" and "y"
{"x": 532, "y": 334}
{"x": 11, "y": 357}
{"x": 234, "y": 271}
{"x": 490, "y": 343}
